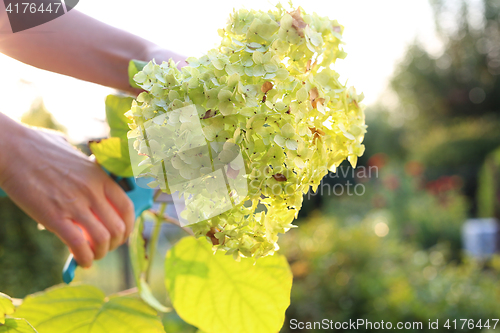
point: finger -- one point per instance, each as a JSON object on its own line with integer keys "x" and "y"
{"x": 122, "y": 204}
{"x": 73, "y": 237}
{"x": 112, "y": 221}
{"x": 95, "y": 232}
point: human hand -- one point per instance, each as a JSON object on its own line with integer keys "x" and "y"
{"x": 60, "y": 188}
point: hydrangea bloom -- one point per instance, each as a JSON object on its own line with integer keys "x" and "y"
{"x": 269, "y": 94}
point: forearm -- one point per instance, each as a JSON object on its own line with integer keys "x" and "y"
{"x": 9, "y": 131}
{"x": 82, "y": 47}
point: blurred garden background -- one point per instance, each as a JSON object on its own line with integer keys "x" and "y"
{"x": 396, "y": 252}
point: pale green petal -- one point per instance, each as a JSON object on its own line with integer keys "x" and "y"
{"x": 270, "y": 68}
{"x": 226, "y": 108}
{"x": 140, "y": 77}
{"x": 288, "y": 131}
{"x": 259, "y": 70}
{"x": 302, "y": 94}
{"x": 193, "y": 62}
{"x": 291, "y": 144}
{"x": 279, "y": 140}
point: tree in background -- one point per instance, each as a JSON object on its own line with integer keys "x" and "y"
{"x": 453, "y": 100}
{"x": 463, "y": 81}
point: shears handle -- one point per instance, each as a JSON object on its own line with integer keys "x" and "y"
{"x": 142, "y": 199}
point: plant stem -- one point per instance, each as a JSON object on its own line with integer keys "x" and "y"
{"x": 127, "y": 292}
{"x": 178, "y": 224}
{"x": 157, "y": 195}
{"x": 154, "y": 238}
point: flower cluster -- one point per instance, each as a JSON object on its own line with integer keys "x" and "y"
{"x": 266, "y": 106}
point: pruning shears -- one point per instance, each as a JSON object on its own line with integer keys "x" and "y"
{"x": 141, "y": 197}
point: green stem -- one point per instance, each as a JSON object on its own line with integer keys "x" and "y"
{"x": 145, "y": 136}
{"x": 154, "y": 238}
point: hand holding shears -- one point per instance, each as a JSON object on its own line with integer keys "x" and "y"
{"x": 142, "y": 199}
{"x": 60, "y": 188}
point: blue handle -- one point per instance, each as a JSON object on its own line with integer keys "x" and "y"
{"x": 142, "y": 199}
{"x": 69, "y": 269}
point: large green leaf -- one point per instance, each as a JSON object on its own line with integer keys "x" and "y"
{"x": 78, "y": 309}
{"x": 6, "y": 307}
{"x": 134, "y": 67}
{"x": 116, "y": 106}
{"x": 16, "y": 326}
{"x": 218, "y": 294}
{"x": 113, "y": 154}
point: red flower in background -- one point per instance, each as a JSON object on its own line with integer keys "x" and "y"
{"x": 414, "y": 168}
{"x": 378, "y": 160}
{"x": 444, "y": 184}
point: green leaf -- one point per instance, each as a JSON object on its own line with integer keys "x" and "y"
{"x": 218, "y": 294}
{"x": 78, "y": 309}
{"x": 6, "y": 307}
{"x": 116, "y": 106}
{"x": 16, "y": 326}
{"x": 134, "y": 67}
{"x": 113, "y": 155}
